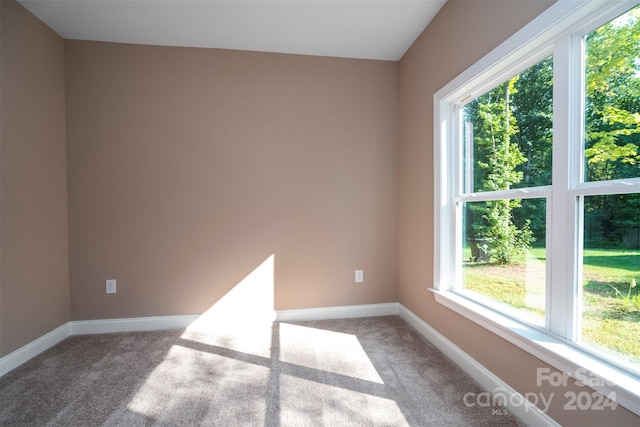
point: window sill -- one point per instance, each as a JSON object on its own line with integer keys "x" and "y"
{"x": 621, "y": 386}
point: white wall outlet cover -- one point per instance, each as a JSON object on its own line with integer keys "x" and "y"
{"x": 359, "y": 276}
{"x": 111, "y": 286}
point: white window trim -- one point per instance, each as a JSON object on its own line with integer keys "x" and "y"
{"x": 560, "y": 20}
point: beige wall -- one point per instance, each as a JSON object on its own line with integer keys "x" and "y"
{"x": 461, "y": 33}
{"x": 189, "y": 167}
{"x": 34, "y": 283}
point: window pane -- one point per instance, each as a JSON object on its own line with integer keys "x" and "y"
{"x": 611, "y": 267}
{"x": 612, "y": 134}
{"x": 507, "y": 133}
{"x": 504, "y": 256}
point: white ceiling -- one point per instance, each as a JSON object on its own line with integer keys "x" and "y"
{"x": 366, "y": 29}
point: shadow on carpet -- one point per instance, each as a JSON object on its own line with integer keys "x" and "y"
{"x": 353, "y": 372}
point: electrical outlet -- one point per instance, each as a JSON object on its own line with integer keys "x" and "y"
{"x": 111, "y": 286}
{"x": 359, "y": 276}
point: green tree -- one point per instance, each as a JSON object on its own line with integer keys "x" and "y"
{"x": 612, "y": 99}
{"x": 533, "y": 110}
{"x": 612, "y": 127}
{"x": 512, "y": 144}
{"x": 496, "y": 158}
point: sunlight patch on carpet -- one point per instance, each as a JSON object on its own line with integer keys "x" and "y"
{"x": 334, "y": 406}
{"x": 328, "y": 351}
{"x": 197, "y": 385}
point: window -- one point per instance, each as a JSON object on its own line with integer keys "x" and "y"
{"x": 538, "y": 192}
{"x": 506, "y": 154}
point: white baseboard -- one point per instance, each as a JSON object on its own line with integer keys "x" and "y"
{"x": 134, "y": 324}
{"x": 83, "y": 327}
{"x": 339, "y": 312}
{"x": 34, "y": 348}
{"x": 517, "y": 404}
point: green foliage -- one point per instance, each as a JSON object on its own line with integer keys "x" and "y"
{"x": 512, "y": 145}
{"x": 612, "y": 130}
{"x": 508, "y": 242}
{"x": 613, "y": 99}
{"x": 533, "y": 110}
{"x": 494, "y": 128}
{"x": 497, "y": 157}
{"x": 612, "y": 221}
{"x": 628, "y": 298}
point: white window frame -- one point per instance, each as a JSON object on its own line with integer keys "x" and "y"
{"x": 558, "y": 31}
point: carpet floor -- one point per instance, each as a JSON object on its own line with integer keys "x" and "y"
{"x": 354, "y": 372}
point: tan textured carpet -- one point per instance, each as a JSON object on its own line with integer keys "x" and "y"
{"x": 355, "y": 372}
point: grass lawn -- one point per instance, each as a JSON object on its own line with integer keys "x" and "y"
{"x": 610, "y": 321}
